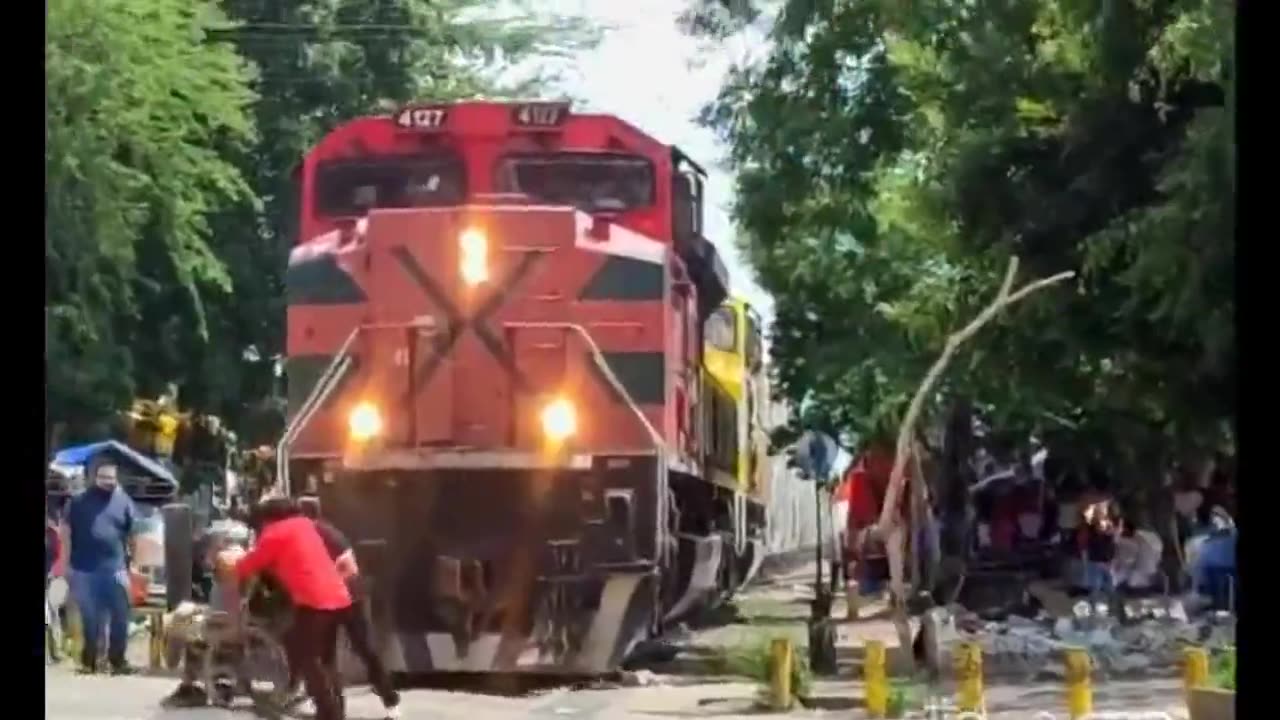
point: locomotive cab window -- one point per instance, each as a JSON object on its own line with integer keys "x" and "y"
{"x": 353, "y": 187}
{"x": 721, "y": 330}
{"x": 591, "y": 182}
{"x": 686, "y": 206}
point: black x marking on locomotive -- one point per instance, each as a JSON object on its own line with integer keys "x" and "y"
{"x": 456, "y": 323}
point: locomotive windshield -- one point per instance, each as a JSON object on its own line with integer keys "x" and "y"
{"x": 720, "y": 330}
{"x": 589, "y": 182}
{"x": 352, "y": 187}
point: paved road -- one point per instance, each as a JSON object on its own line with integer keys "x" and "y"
{"x": 71, "y": 697}
{"x": 770, "y": 609}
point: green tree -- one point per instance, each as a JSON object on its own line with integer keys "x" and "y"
{"x": 321, "y": 64}
{"x": 174, "y": 129}
{"x": 892, "y": 156}
{"x": 136, "y": 109}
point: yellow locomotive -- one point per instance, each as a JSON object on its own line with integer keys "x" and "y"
{"x": 733, "y": 385}
{"x": 736, "y": 463}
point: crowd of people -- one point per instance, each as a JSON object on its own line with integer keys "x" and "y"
{"x": 306, "y": 557}
{"x": 1049, "y": 513}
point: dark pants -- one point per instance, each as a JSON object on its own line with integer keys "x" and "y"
{"x": 356, "y": 626}
{"x": 308, "y": 644}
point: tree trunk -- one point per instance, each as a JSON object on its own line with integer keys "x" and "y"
{"x": 957, "y": 478}
{"x": 890, "y": 524}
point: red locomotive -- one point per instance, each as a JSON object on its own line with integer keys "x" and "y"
{"x": 494, "y": 363}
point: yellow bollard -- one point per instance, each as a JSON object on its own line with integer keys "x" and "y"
{"x": 1079, "y": 668}
{"x": 876, "y": 678}
{"x": 969, "y": 679}
{"x": 156, "y": 647}
{"x": 780, "y": 652}
{"x": 1195, "y": 669}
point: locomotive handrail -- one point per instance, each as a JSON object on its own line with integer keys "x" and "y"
{"x": 598, "y": 356}
{"x": 319, "y": 393}
{"x": 341, "y": 361}
{"x": 659, "y": 445}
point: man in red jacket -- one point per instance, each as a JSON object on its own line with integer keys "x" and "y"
{"x": 290, "y": 548}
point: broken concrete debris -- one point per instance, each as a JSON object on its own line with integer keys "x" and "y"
{"x": 1147, "y": 638}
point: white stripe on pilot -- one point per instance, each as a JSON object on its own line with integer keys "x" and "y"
{"x": 706, "y": 565}
{"x": 480, "y": 654}
{"x": 602, "y": 637}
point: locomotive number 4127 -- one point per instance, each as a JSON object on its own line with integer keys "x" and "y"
{"x": 422, "y": 118}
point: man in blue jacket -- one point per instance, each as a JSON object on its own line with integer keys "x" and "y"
{"x": 101, "y": 521}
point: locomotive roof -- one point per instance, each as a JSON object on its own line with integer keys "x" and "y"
{"x": 619, "y": 127}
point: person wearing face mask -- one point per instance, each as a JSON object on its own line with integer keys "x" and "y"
{"x": 100, "y": 521}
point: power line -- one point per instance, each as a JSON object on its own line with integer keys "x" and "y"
{"x": 338, "y": 29}
{"x": 294, "y": 33}
{"x": 314, "y": 27}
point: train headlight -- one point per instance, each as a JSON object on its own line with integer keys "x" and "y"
{"x": 473, "y": 256}
{"x": 559, "y": 420}
{"x": 365, "y": 422}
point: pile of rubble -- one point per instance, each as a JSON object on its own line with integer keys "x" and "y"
{"x": 1149, "y": 638}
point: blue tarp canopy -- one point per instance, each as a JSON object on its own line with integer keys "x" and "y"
{"x": 121, "y": 453}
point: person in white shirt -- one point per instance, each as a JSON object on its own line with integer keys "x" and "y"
{"x": 1137, "y": 561}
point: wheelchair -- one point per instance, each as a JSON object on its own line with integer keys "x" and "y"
{"x": 232, "y": 654}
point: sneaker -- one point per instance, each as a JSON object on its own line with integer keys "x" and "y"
{"x": 391, "y": 704}
{"x": 296, "y": 698}
{"x": 123, "y": 669}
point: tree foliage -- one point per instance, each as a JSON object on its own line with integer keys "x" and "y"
{"x": 137, "y": 108}
{"x": 174, "y": 129}
{"x": 891, "y": 157}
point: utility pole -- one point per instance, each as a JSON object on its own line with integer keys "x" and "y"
{"x": 815, "y": 453}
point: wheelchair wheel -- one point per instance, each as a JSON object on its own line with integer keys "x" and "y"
{"x": 223, "y": 693}
{"x": 265, "y": 670}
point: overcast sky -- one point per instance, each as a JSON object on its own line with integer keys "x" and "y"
{"x": 649, "y": 73}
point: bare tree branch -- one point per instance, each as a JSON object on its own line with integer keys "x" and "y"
{"x": 889, "y": 526}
